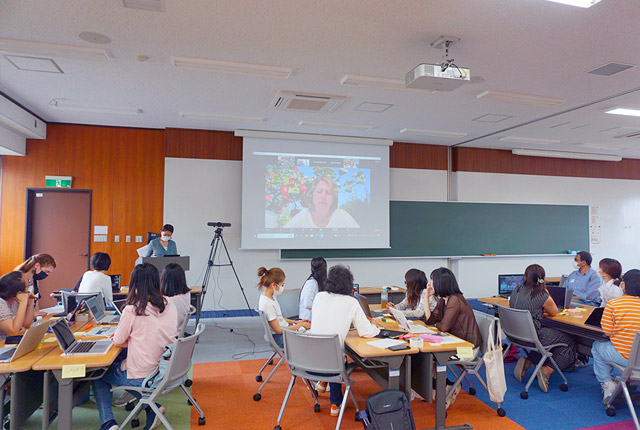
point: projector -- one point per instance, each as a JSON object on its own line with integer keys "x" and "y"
{"x": 431, "y": 77}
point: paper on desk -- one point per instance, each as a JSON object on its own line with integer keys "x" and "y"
{"x": 385, "y": 343}
{"x": 431, "y": 338}
{"x": 449, "y": 339}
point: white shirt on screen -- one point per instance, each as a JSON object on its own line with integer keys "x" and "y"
{"x": 339, "y": 219}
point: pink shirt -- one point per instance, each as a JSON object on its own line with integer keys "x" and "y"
{"x": 146, "y": 337}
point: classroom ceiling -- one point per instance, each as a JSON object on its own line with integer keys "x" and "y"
{"x": 534, "y": 47}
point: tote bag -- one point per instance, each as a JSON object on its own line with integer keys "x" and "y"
{"x": 494, "y": 366}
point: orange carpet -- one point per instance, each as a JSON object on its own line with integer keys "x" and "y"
{"x": 225, "y": 392}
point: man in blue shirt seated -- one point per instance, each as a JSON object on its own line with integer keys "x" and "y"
{"x": 585, "y": 281}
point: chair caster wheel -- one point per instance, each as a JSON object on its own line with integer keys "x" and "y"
{"x": 129, "y": 406}
{"x": 277, "y": 428}
{"x": 316, "y": 408}
{"x": 188, "y": 382}
{"x": 270, "y": 362}
{"x": 189, "y": 402}
{"x": 201, "y": 421}
{"x": 501, "y": 412}
{"x": 472, "y": 391}
{"x": 135, "y": 423}
{"x": 564, "y": 387}
{"x": 524, "y": 395}
{"x": 611, "y": 411}
{"x": 259, "y": 378}
{"x": 257, "y": 397}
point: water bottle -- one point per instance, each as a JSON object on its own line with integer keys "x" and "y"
{"x": 384, "y": 298}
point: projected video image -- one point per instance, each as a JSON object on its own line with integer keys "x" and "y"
{"x": 300, "y": 195}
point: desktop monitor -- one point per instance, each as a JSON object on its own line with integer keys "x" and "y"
{"x": 508, "y": 283}
{"x": 151, "y": 236}
{"x": 115, "y": 283}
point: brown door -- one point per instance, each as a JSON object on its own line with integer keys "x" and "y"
{"x": 58, "y": 223}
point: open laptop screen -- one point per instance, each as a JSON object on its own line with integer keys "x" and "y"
{"x": 508, "y": 283}
{"x": 63, "y": 333}
{"x": 94, "y": 307}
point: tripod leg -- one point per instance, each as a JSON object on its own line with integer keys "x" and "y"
{"x": 235, "y": 273}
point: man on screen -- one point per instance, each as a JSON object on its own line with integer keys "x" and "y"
{"x": 322, "y": 210}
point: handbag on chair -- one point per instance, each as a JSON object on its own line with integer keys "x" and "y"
{"x": 494, "y": 366}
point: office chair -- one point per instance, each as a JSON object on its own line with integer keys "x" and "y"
{"x": 319, "y": 358}
{"x": 277, "y": 351}
{"x": 517, "y": 324}
{"x": 176, "y": 370}
{"x": 628, "y": 373}
{"x": 487, "y": 324}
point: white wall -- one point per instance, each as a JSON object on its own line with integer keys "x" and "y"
{"x": 200, "y": 191}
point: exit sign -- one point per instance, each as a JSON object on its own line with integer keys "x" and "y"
{"x": 58, "y": 181}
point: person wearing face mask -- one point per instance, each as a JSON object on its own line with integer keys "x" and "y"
{"x": 36, "y": 268}
{"x": 163, "y": 245}
{"x": 611, "y": 272}
{"x": 584, "y": 281}
{"x": 272, "y": 284}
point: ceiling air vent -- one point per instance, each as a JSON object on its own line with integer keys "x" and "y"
{"x": 610, "y": 69}
{"x": 152, "y": 5}
{"x": 309, "y": 102}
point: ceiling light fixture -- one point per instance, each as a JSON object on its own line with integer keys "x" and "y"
{"x": 322, "y": 124}
{"x": 231, "y": 67}
{"x": 526, "y": 99}
{"x": 517, "y": 139}
{"x": 578, "y": 3}
{"x": 379, "y": 82}
{"x": 561, "y": 154}
{"x": 52, "y": 50}
{"x": 623, "y": 111}
{"x": 79, "y": 107}
{"x": 433, "y": 133}
{"x": 214, "y": 117}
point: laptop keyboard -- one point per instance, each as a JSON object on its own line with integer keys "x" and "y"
{"x": 82, "y": 347}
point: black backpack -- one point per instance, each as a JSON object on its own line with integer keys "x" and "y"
{"x": 389, "y": 410}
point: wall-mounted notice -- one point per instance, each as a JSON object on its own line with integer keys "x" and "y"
{"x": 594, "y": 224}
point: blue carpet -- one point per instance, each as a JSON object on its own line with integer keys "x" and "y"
{"x": 229, "y": 313}
{"x": 577, "y": 408}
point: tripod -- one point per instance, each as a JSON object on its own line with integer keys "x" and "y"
{"x": 217, "y": 239}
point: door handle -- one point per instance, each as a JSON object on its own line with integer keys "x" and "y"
{"x": 84, "y": 255}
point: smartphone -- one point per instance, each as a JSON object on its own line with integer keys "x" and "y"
{"x": 356, "y": 288}
{"x": 398, "y": 347}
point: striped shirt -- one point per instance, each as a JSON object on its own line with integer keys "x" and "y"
{"x": 621, "y": 321}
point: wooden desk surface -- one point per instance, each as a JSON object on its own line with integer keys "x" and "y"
{"x": 575, "y": 319}
{"x": 378, "y": 290}
{"x": 54, "y": 360}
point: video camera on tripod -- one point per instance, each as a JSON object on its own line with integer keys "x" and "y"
{"x": 219, "y": 224}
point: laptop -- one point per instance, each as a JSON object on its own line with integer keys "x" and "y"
{"x": 71, "y": 346}
{"x": 115, "y": 283}
{"x": 364, "y": 304}
{"x": 98, "y": 314}
{"x": 30, "y": 341}
{"x": 120, "y": 305}
{"x": 404, "y": 323}
{"x": 563, "y": 279}
{"x": 595, "y": 319}
{"x": 508, "y": 283}
{"x": 561, "y": 295}
{"x": 70, "y": 299}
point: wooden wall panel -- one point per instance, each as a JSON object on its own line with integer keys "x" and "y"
{"x": 502, "y": 161}
{"x": 418, "y": 156}
{"x": 217, "y": 145}
{"x": 123, "y": 167}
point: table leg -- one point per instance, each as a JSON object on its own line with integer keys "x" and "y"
{"x": 45, "y": 400}
{"x": 65, "y": 400}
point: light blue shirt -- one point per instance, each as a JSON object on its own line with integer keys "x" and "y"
{"x": 585, "y": 286}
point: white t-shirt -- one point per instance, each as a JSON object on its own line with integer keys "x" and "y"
{"x": 93, "y": 282}
{"x": 609, "y": 291}
{"x": 271, "y": 309}
{"x": 182, "y": 302}
{"x": 334, "y": 313}
{"x": 339, "y": 219}
{"x": 308, "y": 293}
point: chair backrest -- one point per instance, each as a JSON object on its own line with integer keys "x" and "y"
{"x": 183, "y": 327}
{"x": 268, "y": 333}
{"x": 633, "y": 365}
{"x": 517, "y": 324}
{"x": 486, "y": 323}
{"x": 305, "y": 352}
{"x": 180, "y": 361}
{"x": 289, "y": 303}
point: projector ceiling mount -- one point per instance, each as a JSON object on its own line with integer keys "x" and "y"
{"x": 444, "y": 42}
{"x": 445, "y": 76}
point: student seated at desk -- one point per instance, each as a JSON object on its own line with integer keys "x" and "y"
{"x": 272, "y": 284}
{"x": 532, "y": 295}
{"x": 147, "y": 326}
{"x": 611, "y": 272}
{"x": 173, "y": 284}
{"x": 94, "y": 281}
{"x": 620, "y": 321}
{"x": 313, "y": 284}
{"x": 412, "y": 306}
{"x": 17, "y": 306}
{"x": 584, "y": 281}
{"x": 334, "y": 309}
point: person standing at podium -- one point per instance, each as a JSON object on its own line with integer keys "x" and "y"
{"x": 163, "y": 245}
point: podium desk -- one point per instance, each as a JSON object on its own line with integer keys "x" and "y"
{"x": 161, "y": 262}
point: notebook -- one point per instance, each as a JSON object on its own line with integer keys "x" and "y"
{"x": 561, "y": 295}
{"x": 28, "y": 343}
{"x": 595, "y": 319}
{"x": 404, "y": 323}
{"x": 71, "y": 346}
{"x": 364, "y": 304}
{"x": 98, "y": 314}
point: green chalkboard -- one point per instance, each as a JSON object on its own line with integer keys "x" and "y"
{"x": 434, "y": 229}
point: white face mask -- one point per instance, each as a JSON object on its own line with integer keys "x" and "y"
{"x": 166, "y": 238}
{"x": 575, "y": 265}
{"x": 278, "y": 290}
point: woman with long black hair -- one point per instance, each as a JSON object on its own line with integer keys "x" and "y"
{"x": 312, "y": 286}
